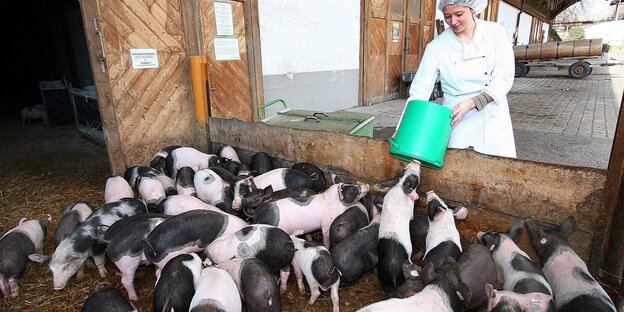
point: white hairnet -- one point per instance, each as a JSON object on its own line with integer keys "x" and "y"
{"x": 477, "y": 5}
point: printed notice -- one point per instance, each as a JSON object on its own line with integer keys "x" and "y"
{"x": 144, "y": 58}
{"x": 226, "y": 49}
{"x": 224, "y": 19}
{"x": 396, "y": 31}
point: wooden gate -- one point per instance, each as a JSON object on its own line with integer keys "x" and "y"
{"x": 388, "y": 49}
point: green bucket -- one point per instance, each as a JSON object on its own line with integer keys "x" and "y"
{"x": 423, "y": 134}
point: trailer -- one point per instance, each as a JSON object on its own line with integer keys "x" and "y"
{"x": 579, "y": 56}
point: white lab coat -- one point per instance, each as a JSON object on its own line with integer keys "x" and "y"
{"x": 467, "y": 69}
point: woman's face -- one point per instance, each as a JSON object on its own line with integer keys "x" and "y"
{"x": 458, "y": 17}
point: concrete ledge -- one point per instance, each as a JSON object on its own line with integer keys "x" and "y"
{"x": 511, "y": 189}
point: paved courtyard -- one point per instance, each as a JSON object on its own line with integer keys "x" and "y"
{"x": 556, "y": 119}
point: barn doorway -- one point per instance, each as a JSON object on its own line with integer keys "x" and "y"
{"x": 395, "y": 33}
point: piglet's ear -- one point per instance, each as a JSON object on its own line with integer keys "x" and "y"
{"x": 428, "y": 273}
{"x": 514, "y": 231}
{"x": 489, "y": 290}
{"x": 40, "y": 258}
{"x": 464, "y": 293}
{"x": 568, "y": 226}
{"x": 267, "y": 192}
{"x": 336, "y": 179}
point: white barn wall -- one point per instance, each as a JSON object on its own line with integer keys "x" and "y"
{"x": 507, "y": 15}
{"x": 310, "y": 53}
{"x": 524, "y": 33}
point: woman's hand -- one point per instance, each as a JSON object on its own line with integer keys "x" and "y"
{"x": 460, "y": 110}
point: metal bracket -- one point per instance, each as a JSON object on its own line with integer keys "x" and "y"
{"x": 102, "y": 59}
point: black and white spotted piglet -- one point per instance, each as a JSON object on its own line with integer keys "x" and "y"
{"x": 442, "y": 238}
{"x": 313, "y": 261}
{"x": 574, "y": 289}
{"x": 514, "y": 269}
{"x": 394, "y": 247}
{"x": 184, "y": 182}
{"x": 188, "y": 157}
{"x": 445, "y": 292}
{"x": 15, "y": 247}
{"x": 106, "y": 300}
{"x": 84, "y": 242}
{"x": 256, "y": 284}
{"x": 73, "y": 214}
{"x": 215, "y": 291}
{"x": 175, "y": 287}
{"x": 159, "y": 160}
{"x": 265, "y": 242}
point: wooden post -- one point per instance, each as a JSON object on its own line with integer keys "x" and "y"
{"x": 613, "y": 264}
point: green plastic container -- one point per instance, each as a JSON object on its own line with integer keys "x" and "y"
{"x": 423, "y": 134}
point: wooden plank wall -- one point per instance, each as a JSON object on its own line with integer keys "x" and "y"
{"x": 143, "y": 109}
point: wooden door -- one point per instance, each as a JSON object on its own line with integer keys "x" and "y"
{"x": 383, "y": 50}
{"x": 395, "y": 33}
{"x": 229, "y": 87}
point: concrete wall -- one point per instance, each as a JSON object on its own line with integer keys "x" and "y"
{"x": 497, "y": 191}
{"x": 310, "y": 52}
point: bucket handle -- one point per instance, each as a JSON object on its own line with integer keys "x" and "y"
{"x": 391, "y": 140}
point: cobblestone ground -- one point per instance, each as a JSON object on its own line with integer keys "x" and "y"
{"x": 547, "y": 100}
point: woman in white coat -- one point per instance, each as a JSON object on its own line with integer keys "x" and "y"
{"x": 475, "y": 61}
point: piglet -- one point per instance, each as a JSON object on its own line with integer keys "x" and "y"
{"x": 133, "y": 173}
{"x": 394, "y": 247}
{"x": 353, "y": 219}
{"x": 313, "y": 261}
{"x": 256, "y": 284}
{"x": 73, "y": 214}
{"x": 574, "y": 289}
{"x": 311, "y": 213}
{"x": 151, "y": 190}
{"x": 442, "y": 238}
{"x": 514, "y": 269}
{"x": 418, "y": 228}
{"x": 229, "y": 159}
{"x": 177, "y": 204}
{"x": 215, "y": 291}
{"x": 260, "y": 163}
{"x": 184, "y": 182}
{"x": 357, "y": 253}
{"x": 413, "y": 284}
{"x": 106, "y": 300}
{"x": 477, "y": 269}
{"x": 159, "y": 160}
{"x": 83, "y": 242}
{"x": 191, "y": 231}
{"x": 445, "y": 292}
{"x": 508, "y": 301}
{"x": 125, "y": 247}
{"x": 35, "y": 112}
{"x": 250, "y": 191}
{"x": 212, "y": 189}
{"x": 188, "y": 157}
{"x": 175, "y": 287}
{"x": 117, "y": 188}
{"x": 316, "y": 175}
{"x": 15, "y": 246}
{"x": 265, "y": 242}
